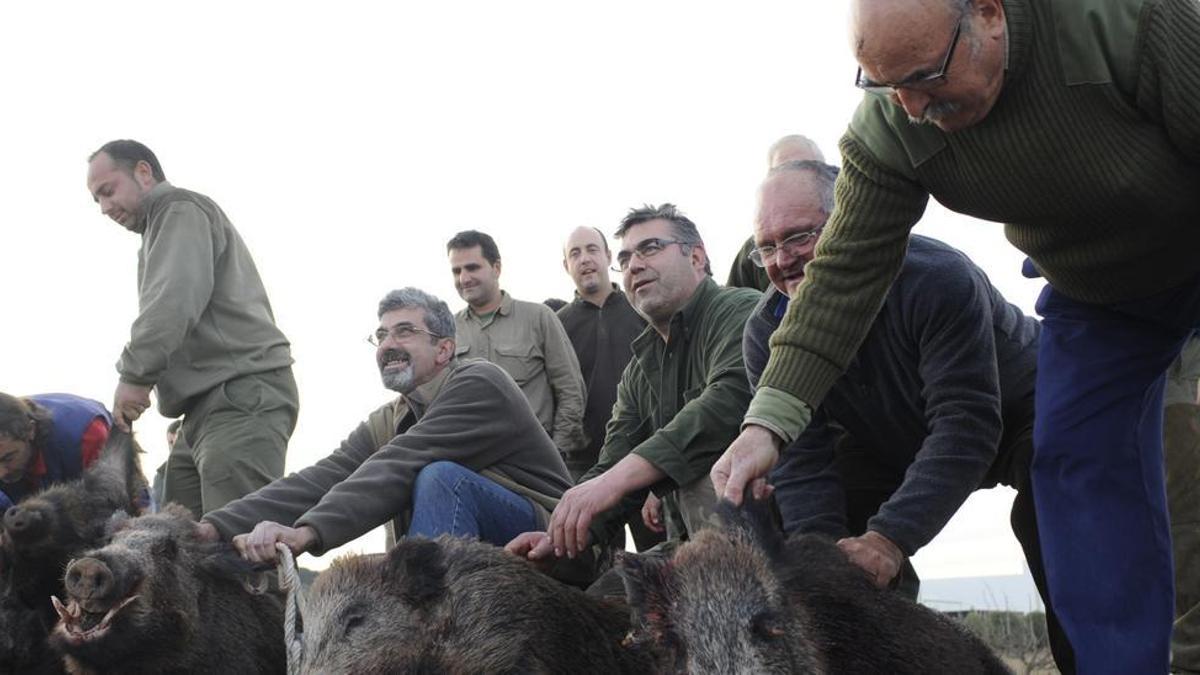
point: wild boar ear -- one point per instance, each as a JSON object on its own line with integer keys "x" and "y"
{"x": 117, "y": 474}
{"x": 756, "y": 521}
{"x": 118, "y": 521}
{"x": 649, "y": 588}
{"x": 415, "y": 570}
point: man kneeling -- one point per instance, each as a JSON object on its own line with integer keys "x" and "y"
{"x": 458, "y": 452}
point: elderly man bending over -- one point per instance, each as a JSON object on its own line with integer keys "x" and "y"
{"x": 459, "y": 452}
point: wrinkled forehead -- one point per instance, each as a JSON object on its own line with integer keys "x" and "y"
{"x": 897, "y": 34}
{"x": 789, "y": 203}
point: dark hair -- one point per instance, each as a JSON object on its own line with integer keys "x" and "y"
{"x": 682, "y": 228}
{"x": 438, "y": 318}
{"x": 126, "y": 154}
{"x": 825, "y": 175}
{"x": 18, "y": 415}
{"x": 473, "y": 238}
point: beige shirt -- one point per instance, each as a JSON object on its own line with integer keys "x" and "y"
{"x": 528, "y": 342}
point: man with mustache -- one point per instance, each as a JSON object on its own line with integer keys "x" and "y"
{"x": 936, "y": 403}
{"x": 523, "y": 338}
{"x": 205, "y": 338}
{"x": 678, "y": 401}
{"x": 1074, "y": 122}
{"x": 459, "y": 452}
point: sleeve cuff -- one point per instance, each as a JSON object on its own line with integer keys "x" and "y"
{"x": 778, "y": 411}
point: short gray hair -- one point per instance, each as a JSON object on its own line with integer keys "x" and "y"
{"x": 438, "y": 318}
{"x": 824, "y": 174}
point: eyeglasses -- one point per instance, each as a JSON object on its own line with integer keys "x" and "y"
{"x": 645, "y": 250}
{"x": 918, "y": 82}
{"x": 399, "y": 333}
{"x": 795, "y": 245}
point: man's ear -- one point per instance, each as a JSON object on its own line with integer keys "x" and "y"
{"x": 143, "y": 174}
{"x": 445, "y": 351}
{"x": 699, "y": 256}
{"x": 496, "y": 266}
{"x": 565, "y": 268}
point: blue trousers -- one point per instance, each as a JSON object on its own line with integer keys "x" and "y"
{"x": 1097, "y": 473}
{"x": 449, "y": 498}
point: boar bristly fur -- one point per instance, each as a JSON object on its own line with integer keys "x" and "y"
{"x": 156, "y": 599}
{"x": 451, "y": 605}
{"x": 743, "y": 600}
{"x": 39, "y": 535}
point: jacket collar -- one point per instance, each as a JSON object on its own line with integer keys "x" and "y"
{"x": 152, "y": 197}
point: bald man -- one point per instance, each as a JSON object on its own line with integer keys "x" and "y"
{"x": 1075, "y": 123}
{"x": 745, "y": 273}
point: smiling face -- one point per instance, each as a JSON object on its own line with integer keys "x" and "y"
{"x": 476, "y": 280}
{"x": 118, "y": 192}
{"x": 661, "y": 285}
{"x": 789, "y": 204}
{"x": 587, "y": 259}
{"x": 900, "y": 41}
{"x": 405, "y": 364}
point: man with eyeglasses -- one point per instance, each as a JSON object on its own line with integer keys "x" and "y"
{"x": 526, "y": 339}
{"x": 459, "y": 452}
{"x": 745, "y": 273}
{"x": 679, "y": 400}
{"x": 1075, "y": 123}
{"x": 936, "y": 403}
{"x": 205, "y": 338}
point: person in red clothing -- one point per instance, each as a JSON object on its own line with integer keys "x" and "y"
{"x": 47, "y": 439}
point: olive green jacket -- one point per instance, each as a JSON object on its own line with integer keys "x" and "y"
{"x": 680, "y": 402}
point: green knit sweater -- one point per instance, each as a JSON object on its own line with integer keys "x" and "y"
{"x": 1091, "y": 156}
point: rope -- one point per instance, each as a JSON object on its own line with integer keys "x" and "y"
{"x": 293, "y": 634}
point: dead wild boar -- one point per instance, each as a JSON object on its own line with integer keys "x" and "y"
{"x": 47, "y": 529}
{"x": 39, "y": 535}
{"x": 156, "y": 599}
{"x": 452, "y": 605}
{"x": 743, "y": 600}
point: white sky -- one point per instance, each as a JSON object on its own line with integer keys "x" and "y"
{"x": 348, "y": 145}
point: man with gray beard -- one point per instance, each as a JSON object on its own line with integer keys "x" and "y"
{"x": 458, "y": 452}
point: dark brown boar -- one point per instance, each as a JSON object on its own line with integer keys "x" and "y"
{"x": 452, "y": 605}
{"x": 39, "y": 535}
{"x": 156, "y": 599}
{"x": 743, "y": 600}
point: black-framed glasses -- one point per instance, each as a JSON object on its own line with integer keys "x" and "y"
{"x": 399, "y": 332}
{"x": 795, "y": 245}
{"x": 918, "y": 82}
{"x": 646, "y": 249}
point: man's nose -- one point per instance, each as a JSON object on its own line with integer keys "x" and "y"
{"x": 913, "y": 102}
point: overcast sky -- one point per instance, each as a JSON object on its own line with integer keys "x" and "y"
{"x": 348, "y": 146}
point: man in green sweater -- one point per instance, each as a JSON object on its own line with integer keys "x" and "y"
{"x": 459, "y": 452}
{"x": 679, "y": 400}
{"x": 205, "y": 338}
{"x": 1076, "y": 123}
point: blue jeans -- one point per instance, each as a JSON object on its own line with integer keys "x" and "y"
{"x": 451, "y": 499}
{"x": 1097, "y": 473}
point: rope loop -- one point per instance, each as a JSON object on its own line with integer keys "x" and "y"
{"x": 293, "y": 635}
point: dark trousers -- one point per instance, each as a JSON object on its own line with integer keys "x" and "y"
{"x": 1097, "y": 473}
